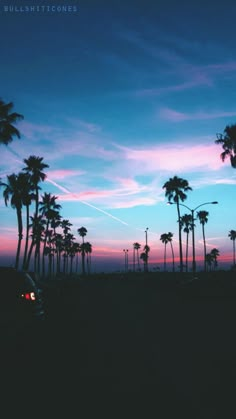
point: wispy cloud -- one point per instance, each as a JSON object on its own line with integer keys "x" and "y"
{"x": 64, "y": 173}
{"x": 197, "y": 81}
{"x": 175, "y": 157}
{"x": 172, "y": 115}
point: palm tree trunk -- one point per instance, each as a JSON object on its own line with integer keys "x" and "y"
{"x": 234, "y": 250}
{"x": 20, "y": 236}
{"x": 204, "y": 244}
{"x": 29, "y": 254}
{"x": 180, "y": 239}
{"x": 187, "y": 253}
{"x": 27, "y": 238}
{"x": 173, "y": 257}
{"x": 165, "y": 258}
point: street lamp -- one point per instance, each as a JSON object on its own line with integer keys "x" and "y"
{"x": 193, "y": 233}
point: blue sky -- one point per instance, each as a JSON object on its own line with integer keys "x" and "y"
{"x": 118, "y": 97}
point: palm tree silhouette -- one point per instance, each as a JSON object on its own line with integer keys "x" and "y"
{"x": 88, "y": 251}
{"x": 137, "y": 246}
{"x": 13, "y": 192}
{"x": 144, "y": 257}
{"x": 82, "y": 232}
{"x": 49, "y": 209}
{"x": 34, "y": 167}
{"x": 27, "y": 197}
{"x": 170, "y": 237}
{"x": 228, "y": 142}
{"x": 209, "y": 260}
{"x": 146, "y": 249}
{"x": 164, "y": 238}
{"x": 215, "y": 253}
{"x": 37, "y": 231}
{"x": 186, "y": 224}
{"x": 7, "y": 118}
{"x": 202, "y": 216}
{"x": 176, "y": 189}
{"x": 232, "y": 236}
{"x": 167, "y": 238}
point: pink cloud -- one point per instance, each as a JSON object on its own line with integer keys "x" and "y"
{"x": 175, "y": 158}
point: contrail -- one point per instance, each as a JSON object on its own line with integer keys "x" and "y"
{"x": 85, "y": 203}
{"x": 82, "y": 202}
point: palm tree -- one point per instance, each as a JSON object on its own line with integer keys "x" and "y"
{"x": 13, "y": 192}
{"x": 49, "y": 209}
{"x": 77, "y": 251}
{"x": 170, "y": 237}
{"x": 146, "y": 249}
{"x": 203, "y": 218}
{"x": 82, "y": 232}
{"x": 137, "y": 246}
{"x": 186, "y": 224}
{"x": 215, "y": 253}
{"x": 34, "y": 167}
{"x": 165, "y": 240}
{"x": 209, "y": 260}
{"x": 228, "y": 142}
{"x": 37, "y": 231}
{"x": 232, "y": 236}
{"x": 144, "y": 257}
{"x": 88, "y": 251}
{"x": 27, "y": 197}
{"x": 176, "y": 189}
{"x": 7, "y": 118}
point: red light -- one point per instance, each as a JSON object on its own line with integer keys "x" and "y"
{"x": 29, "y": 296}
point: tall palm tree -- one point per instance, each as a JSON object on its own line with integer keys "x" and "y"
{"x": 82, "y": 233}
{"x": 13, "y": 192}
{"x": 203, "y": 218}
{"x": 232, "y": 236}
{"x": 176, "y": 188}
{"x": 228, "y": 142}
{"x": 137, "y": 246}
{"x": 186, "y": 224}
{"x": 34, "y": 167}
{"x": 7, "y": 118}
{"x": 27, "y": 197}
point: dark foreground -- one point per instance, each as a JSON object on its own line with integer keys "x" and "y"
{"x": 120, "y": 348}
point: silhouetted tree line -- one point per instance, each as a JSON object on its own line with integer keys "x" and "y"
{"x": 48, "y": 236}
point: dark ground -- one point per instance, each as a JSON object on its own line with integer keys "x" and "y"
{"x": 119, "y": 348}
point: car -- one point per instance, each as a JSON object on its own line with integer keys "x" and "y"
{"x": 21, "y": 300}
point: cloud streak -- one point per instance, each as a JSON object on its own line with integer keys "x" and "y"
{"x": 172, "y": 115}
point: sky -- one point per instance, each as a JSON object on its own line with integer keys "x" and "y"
{"x": 119, "y": 97}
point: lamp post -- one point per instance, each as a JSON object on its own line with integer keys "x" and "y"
{"x": 193, "y": 232}
{"x": 146, "y": 251}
